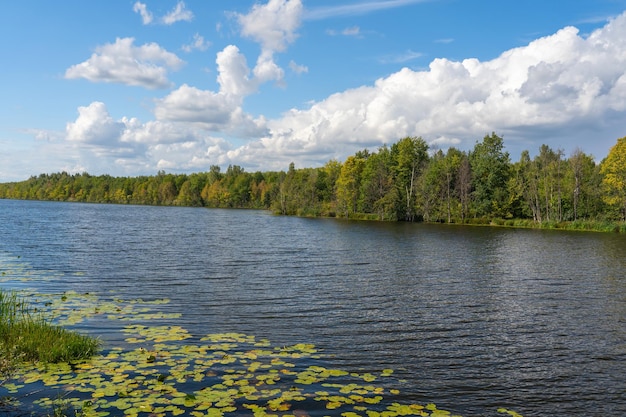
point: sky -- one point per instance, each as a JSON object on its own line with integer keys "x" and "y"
{"x": 128, "y": 88}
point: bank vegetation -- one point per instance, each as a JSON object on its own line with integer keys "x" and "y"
{"x": 405, "y": 181}
{"x": 27, "y": 336}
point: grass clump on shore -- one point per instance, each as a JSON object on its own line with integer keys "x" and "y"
{"x": 25, "y": 335}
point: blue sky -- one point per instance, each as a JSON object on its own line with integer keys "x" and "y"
{"x": 133, "y": 87}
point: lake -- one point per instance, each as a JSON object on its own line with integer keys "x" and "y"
{"x": 468, "y": 318}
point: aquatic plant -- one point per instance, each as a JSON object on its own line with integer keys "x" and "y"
{"x": 161, "y": 369}
{"x": 26, "y": 334}
{"x": 221, "y": 374}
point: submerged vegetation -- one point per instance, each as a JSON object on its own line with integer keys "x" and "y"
{"x": 406, "y": 181}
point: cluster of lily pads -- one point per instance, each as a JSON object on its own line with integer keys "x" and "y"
{"x": 217, "y": 375}
{"x": 164, "y": 370}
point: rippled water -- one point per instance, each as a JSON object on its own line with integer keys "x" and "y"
{"x": 470, "y": 318}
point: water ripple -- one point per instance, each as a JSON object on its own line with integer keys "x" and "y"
{"x": 471, "y": 318}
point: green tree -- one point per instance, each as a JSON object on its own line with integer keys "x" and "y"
{"x": 431, "y": 186}
{"x": 613, "y": 169}
{"x": 378, "y": 194}
{"x": 287, "y": 189}
{"x": 529, "y": 179}
{"x": 188, "y": 196}
{"x": 491, "y": 171}
{"x": 438, "y": 197}
{"x": 332, "y": 170}
{"x": 520, "y": 188}
{"x": 410, "y": 156}
{"x": 583, "y": 184}
{"x": 549, "y": 167}
{"x": 464, "y": 186}
{"x": 451, "y": 168}
{"x": 348, "y": 185}
{"x": 167, "y": 192}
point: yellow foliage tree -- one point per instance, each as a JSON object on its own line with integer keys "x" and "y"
{"x": 613, "y": 169}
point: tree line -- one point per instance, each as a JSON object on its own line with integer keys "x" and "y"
{"x": 406, "y": 181}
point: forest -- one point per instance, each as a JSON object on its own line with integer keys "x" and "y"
{"x": 405, "y": 181}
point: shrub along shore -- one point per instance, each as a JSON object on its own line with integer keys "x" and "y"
{"x": 403, "y": 182}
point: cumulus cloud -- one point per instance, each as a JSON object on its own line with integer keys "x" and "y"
{"x": 272, "y": 25}
{"x": 178, "y": 14}
{"x": 172, "y": 146}
{"x": 153, "y": 132}
{"x": 122, "y": 62}
{"x": 196, "y": 155}
{"x": 216, "y": 112}
{"x": 94, "y": 125}
{"x": 552, "y": 86}
{"x": 221, "y": 111}
{"x": 555, "y": 83}
{"x": 97, "y": 142}
{"x": 234, "y": 73}
{"x": 267, "y": 70}
{"x": 142, "y": 9}
{"x": 190, "y": 104}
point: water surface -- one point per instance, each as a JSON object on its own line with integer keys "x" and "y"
{"x": 470, "y": 318}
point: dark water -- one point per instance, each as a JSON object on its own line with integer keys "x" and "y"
{"x": 469, "y": 318}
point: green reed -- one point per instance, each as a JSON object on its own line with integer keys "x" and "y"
{"x": 25, "y": 334}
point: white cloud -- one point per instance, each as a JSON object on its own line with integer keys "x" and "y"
{"x": 221, "y": 111}
{"x": 43, "y": 135}
{"x": 401, "y": 58}
{"x": 94, "y": 126}
{"x": 235, "y": 78}
{"x": 354, "y": 31}
{"x": 199, "y": 43}
{"x": 358, "y": 8}
{"x": 234, "y": 73}
{"x": 548, "y": 88}
{"x": 173, "y": 146}
{"x": 272, "y": 25}
{"x": 267, "y": 70}
{"x": 178, "y": 14}
{"x": 554, "y": 84}
{"x": 196, "y": 155}
{"x": 298, "y": 69}
{"x": 443, "y": 142}
{"x": 122, "y": 62}
{"x": 190, "y": 104}
{"x": 142, "y": 9}
{"x": 96, "y": 143}
{"x": 351, "y": 31}
{"x": 210, "y": 111}
{"x": 154, "y": 132}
